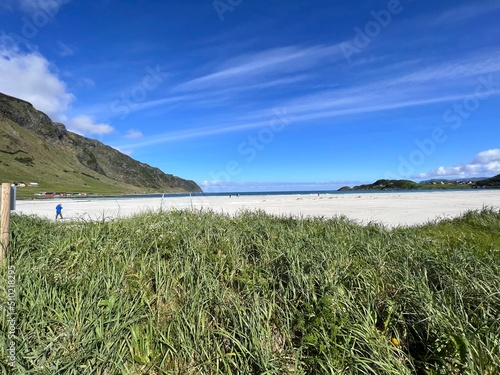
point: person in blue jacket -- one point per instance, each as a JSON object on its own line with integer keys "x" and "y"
{"x": 59, "y": 211}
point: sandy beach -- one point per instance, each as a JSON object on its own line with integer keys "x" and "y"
{"x": 391, "y": 209}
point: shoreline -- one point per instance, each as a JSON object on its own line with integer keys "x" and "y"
{"x": 391, "y": 209}
{"x": 251, "y": 193}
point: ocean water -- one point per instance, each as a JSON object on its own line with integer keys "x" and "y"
{"x": 271, "y": 193}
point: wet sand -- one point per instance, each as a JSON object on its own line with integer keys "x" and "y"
{"x": 391, "y": 209}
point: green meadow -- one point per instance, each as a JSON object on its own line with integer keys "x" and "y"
{"x": 184, "y": 292}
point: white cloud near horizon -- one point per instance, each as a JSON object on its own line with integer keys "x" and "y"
{"x": 485, "y": 163}
{"x": 86, "y": 125}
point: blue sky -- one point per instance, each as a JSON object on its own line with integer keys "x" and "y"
{"x": 267, "y": 95}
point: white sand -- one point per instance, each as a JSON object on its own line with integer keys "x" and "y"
{"x": 391, "y": 209}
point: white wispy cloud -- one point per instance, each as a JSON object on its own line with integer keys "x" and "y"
{"x": 444, "y": 82}
{"x": 84, "y": 124}
{"x": 262, "y": 70}
{"x": 276, "y": 61}
{"x": 410, "y": 87}
{"x": 133, "y": 134}
{"x": 485, "y": 163}
{"x": 194, "y": 132}
{"x": 405, "y": 84}
{"x": 465, "y": 12}
{"x": 475, "y": 66}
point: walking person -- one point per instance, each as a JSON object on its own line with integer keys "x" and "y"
{"x": 59, "y": 211}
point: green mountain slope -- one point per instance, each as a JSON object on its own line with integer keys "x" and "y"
{"x": 386, "y": 185}
{"x": 436, "y": 184}
{"x": 35, "y": 149}
{"x": 493, "y": 182}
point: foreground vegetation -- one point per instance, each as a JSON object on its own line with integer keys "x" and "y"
{"x": 201, "y": 293}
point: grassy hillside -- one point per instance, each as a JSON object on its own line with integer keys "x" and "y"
{"x": 200, "y": 293}
{"x": 25, "y": 157}
{"x": 35, "y": 149}
{"x": 406, "y": 185}
{"x": 385, "y": 184}
{"x": 493, "y": 182}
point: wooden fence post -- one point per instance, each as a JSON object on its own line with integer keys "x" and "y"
{"x": 5, "y": 222}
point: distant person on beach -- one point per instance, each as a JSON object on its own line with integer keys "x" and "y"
{"x": 59, "y": 211}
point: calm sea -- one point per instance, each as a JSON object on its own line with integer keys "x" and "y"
{"x": 270, "y": 193}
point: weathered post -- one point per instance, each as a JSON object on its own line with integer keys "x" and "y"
{"x": 5, "y": 222}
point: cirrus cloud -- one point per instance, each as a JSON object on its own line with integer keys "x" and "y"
{"x": 133, "y": 134}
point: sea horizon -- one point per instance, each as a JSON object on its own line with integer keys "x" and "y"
{"x": 237, "y": 194}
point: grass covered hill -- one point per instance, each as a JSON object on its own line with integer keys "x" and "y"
{"x": 436, "y": 184}
{"x": 385, "y": 184}
{"x": 493, "y": 182}
{"x": 184, "y": 292}
{"x": 35, "y": 149}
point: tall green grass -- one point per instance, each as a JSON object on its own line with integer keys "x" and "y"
{"x": 202, "y": 293}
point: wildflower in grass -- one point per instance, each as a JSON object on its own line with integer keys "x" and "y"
{"x": 395, "y": 341}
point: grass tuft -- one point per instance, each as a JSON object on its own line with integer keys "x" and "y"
{"x": 204, "y": 293}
